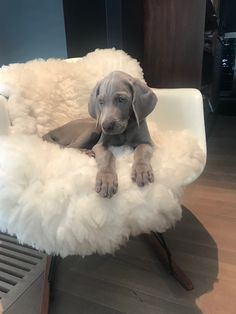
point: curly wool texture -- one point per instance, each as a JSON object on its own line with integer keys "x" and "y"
{"x": 47, "y": 196}
{"x": 51, "y": 93}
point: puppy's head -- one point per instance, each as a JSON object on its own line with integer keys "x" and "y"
{"x": 115, "y": 98}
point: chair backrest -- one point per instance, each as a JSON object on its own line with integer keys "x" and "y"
{"x": 180, "y": 109}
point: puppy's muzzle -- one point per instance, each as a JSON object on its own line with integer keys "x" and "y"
{"x": 114, "y": 126}
{"x": 108, "y": 126}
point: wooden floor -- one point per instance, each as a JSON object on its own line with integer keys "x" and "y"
{"x": 203, "y": 243}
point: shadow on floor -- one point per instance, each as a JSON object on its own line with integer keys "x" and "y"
{"x": 196, "y": 252}
{"x": 133, "y": 281}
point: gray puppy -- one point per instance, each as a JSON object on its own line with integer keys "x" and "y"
{"x": 120, "y": 105}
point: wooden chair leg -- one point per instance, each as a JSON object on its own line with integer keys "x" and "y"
{"x": 46, "y": 288}
{"x": 163, "y": 253}
{"x": 49, "y": 279}
{"x": 52, "y": 274}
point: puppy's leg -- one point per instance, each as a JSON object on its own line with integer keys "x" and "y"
{"x": 106, "y": 179}
{"x": 142, "y": 172}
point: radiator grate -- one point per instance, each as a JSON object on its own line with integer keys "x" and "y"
{"x": 20, "y": 266}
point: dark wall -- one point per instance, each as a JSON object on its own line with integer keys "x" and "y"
{"x": 31, "y": 29}
{"x": 59, "y": 28}
{"x": 228, "y": 15}
{"x": 133, "y": 32}
{"x": 104, "y": 24}
{"x": 85, "y": 25}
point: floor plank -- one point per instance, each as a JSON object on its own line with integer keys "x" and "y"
{"x": 68, "y": 303}
{"x": 117, "y": 296}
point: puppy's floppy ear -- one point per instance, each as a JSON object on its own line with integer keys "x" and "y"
{"x": 144, "y": 100}
{"x": 93, "y": 105}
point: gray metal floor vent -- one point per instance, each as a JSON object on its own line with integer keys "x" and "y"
{"x": 21, "y": 277}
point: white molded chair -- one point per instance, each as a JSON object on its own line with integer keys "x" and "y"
{"x": 178, "y": 109}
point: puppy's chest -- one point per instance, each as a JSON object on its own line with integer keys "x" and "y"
{"x": 116, "y": 140}
{"x": 122, "y": 139}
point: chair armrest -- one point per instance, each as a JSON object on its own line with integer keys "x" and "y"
{"x": 4, "y": 117}
{"x": 180, "y": 109}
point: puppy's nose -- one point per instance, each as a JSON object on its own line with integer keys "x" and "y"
{"x": 108, "y": 126}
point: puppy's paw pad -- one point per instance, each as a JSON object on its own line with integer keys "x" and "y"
{"x": 142, "y": 174}
{"x": 106, "y": 184}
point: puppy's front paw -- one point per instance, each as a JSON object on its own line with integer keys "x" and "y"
{"x": 106, "y": 183}
{"x": 142, "y": 173}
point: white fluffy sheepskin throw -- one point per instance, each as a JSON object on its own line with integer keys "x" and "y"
{"x": 47, "y": 196}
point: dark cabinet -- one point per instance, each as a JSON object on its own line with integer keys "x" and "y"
{"x": 173, "y": 42}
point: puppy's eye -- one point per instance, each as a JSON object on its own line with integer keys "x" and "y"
{"x": 101, "y": 101}
{"x": 121, "y": 99}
